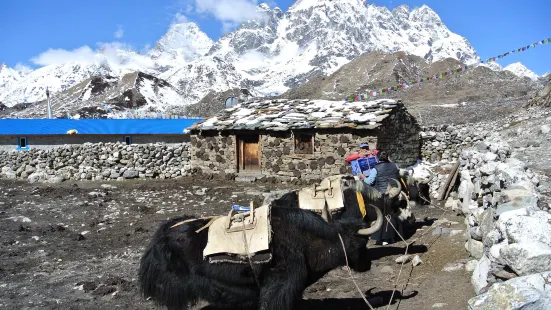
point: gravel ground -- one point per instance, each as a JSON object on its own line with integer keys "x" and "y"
{"x": 77, "y": 245}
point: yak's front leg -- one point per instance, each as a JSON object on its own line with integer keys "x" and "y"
{"x": 283, "y": 285}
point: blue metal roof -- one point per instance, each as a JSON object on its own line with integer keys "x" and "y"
{"x": 95, "y": 126}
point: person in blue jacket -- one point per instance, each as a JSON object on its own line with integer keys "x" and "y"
{"x": 363, "y": 163}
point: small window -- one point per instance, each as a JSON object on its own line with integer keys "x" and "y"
{"x": 22, "y": 143}
{"x": 128, "y": 140}
{"x": 304, "y": 144}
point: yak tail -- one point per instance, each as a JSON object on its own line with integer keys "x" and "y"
{"x": 164, "y": 276}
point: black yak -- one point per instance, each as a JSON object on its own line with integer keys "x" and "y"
{"x": 304, "y": 247}
{"x": 417, "y": 179}
{"x": 389, "y": 202}
{"x": 393, "y": 203}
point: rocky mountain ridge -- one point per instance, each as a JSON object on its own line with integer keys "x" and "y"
{"x": 268, "y": 55}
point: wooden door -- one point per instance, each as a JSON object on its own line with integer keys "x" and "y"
{"x": 249, "y": 153}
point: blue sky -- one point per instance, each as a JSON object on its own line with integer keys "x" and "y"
{"x": 32, "y": 27}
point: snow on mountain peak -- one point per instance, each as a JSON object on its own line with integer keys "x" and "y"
{"x": 183, "y": 42}
{"x": 271, "y": 52}
{"x": 9, "y": 77}
{"x": 520, "y": 70}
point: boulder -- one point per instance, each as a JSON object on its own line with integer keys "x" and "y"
{"x": 130, "y": 174}
{"x": 527, "y": 257}
{"x": 37, "y": 177}
{"x": 531, "y": 292}
{"x": 523, "y": 227}
{"x": 474, "y": 247}
{"x": 479, "y": 279}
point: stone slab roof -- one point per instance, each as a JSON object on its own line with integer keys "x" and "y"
{"x": 284, "y": 114}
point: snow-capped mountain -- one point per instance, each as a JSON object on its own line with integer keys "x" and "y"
{"x": 281, "y": 51}
{"x": 182, "y": 43}
{"x": 56, "y": 78}
{"x": 270, "y": 54}
{"x": 521, "y": 71}
{"x": 109, "y": 95}
{"x": 9, "y": 76}
{"x": 492, "y": 65}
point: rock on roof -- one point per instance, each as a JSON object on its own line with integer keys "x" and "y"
{"x": 284, "y": 114}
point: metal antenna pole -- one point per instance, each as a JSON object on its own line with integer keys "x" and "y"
{"x": 49, "y": 106}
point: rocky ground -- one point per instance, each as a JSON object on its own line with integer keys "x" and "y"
{"x": 76, "y": 245}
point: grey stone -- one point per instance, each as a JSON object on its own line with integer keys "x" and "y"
{"x": 450, "y": 267}
{"x": 518, "y": 226}
{"x": 416, "y": 260}
{"x": 403, "y": 259}
{"x": 37, "y": 177}
{"x": 471, "y": 265}
{"x": 55, "y": 180}
{"x": 531, "y": 292}
{"x": 130, "y": 174}
{"x": 527, "y": 257}
{"x": 479, "y": 279}
{"x": 474, "y": 247}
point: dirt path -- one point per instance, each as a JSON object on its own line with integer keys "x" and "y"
{"x": 77, "y": 246}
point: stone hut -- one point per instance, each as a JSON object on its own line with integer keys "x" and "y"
{"x": 300, "y": 139}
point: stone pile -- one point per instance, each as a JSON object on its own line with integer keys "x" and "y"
{"x": 446, "y": 142}
{"x": 507, "y": 231}
{"x": 98, "y": 161}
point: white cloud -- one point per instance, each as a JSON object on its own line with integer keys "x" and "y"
{"x": 118, "y": 55}
{"x": 231, "y": 13}
{"x": 22, "y": 68}
{"x": 179, "y": 19}
{"x": 52, "y": 56}
{"x": 120, "y": 32}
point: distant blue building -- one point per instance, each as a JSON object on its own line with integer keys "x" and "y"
{"x": 25, "y": 134}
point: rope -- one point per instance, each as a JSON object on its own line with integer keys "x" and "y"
{"x": 403, "y": 261}
{"x": 351, "y": 277}
{"x": 249, "y": 253}
{"x": 407, "y": 248}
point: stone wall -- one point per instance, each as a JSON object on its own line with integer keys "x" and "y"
{"x": 213, "y": 153}
{"x": 9, "y": 143}
{"x": 97, "y": 161}
{"x": 399, "y": 136}
{"x": 330, "y": 149}
{"x": 446, "y": 142}
{"x": 508, "y": 231}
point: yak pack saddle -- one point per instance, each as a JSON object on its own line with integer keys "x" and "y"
{"x": 240, "y": 237}
{"x": 325, "y": 198}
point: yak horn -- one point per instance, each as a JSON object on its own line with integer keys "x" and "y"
{"x": 374, "y": 226}
{"x": 394, "y": 191}
{"x": 431, "y": 176}
{"x": 324, "y": 214}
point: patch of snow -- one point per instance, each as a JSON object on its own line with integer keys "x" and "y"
{"x": 520, "y": 70}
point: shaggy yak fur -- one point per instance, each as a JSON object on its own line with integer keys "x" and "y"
{"x": 304, "y": 247}
{"x": 419, "y": 192}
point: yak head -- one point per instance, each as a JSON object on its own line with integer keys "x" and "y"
{"x": 355, "y": 242}
{"x": 392, "y": 201}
